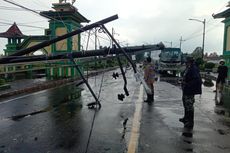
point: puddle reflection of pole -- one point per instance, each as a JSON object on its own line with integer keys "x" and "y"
{"x": 87, "y": 84}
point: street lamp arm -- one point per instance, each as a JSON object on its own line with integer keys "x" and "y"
{"x": 204, "y": 21}
{"x": 198, "y": 20}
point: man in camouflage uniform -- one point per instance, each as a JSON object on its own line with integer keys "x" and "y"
{"x": 149, "y": 76}
{"x": 221, "y": 79}
{"x": 191, "y": 86}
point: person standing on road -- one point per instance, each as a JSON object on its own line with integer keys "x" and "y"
{"x": 149, "y": 77}
{"x": 191, "y": 85}
{"x": 222, "y": 75}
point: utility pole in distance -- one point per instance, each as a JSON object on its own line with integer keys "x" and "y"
{"x": 181, "y": 41}
{"x": 170, "y": 42}
{"x": 204, "y": 23}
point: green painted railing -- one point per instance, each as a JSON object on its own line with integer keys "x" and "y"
{"x": 4, "y": 87}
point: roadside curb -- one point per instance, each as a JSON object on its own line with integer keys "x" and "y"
{"x": 50, "y": 84}
{"x": 38, "y": 87}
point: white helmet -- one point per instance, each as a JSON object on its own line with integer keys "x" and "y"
{"x": 221, "y": 61}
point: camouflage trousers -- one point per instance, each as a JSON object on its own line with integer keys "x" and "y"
{"x": 188, "y": 101}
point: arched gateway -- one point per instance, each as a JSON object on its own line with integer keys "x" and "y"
{"x": 64, "y": 18}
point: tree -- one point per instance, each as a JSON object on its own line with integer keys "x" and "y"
{"x": 199, "y": 61}
{"x": 197, "y": 53}
{"x": 209, "y": 65}
{"x": 140, "y": 57}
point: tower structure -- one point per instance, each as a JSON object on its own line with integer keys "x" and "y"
{"x": 14, "y": 36}
{"x": 64, "y": 19}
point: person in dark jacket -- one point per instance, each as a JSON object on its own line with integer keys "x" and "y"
{"x": 221, "y": 78}
{"x": 222, "y": 73}
{"x": 191, "y": 86}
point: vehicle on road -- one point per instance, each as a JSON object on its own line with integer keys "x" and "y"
{"x": 171, "y": 60}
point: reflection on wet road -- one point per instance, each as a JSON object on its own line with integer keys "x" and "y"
{"x": 162, "y": 132}
{"x": 56, "y": 121}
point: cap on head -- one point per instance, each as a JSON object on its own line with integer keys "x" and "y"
{"x": 189, "y": 59}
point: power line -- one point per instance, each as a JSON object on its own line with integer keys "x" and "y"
{"x": 11, "y": 8}
{"x": 220, "y": 8}
{"x": 199, "y": 32}
{"x": 208, "y": 30}
{"x": 33, "y": 22}
{"x": 24, "y": 22}
{"x": 194, "y": 33}
{"x": 215, "y": 26}
{"x": 11, "y": 2}
{"x": 28, "y": 9}
{"x": 6, "y": 23}
{"x": 32, "y": 30}
{"x": 40, "y": 3}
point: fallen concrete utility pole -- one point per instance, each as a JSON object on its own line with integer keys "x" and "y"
{"x": 18, "y": 56}
{"x": 82, "y": 54}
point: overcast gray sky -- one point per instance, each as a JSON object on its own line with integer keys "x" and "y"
{"x": 140, "y": 21}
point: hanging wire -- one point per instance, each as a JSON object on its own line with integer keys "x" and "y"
{"x": 198, "y": 33}
{"x": 87, "y": 45}
{"x": 111, "y": 43}
{"x": 63, "y": 22}
{"x": 28, "y": 9}
{"x": 41, "y": 3}
{"x": 207, "y": 31}
{"x": 99, "y": 93}
{"x": 24, "y": 25}
{"x": 11, "y": 8}
{"x": 103, "y": 72}
{"x": 101, "y": 37}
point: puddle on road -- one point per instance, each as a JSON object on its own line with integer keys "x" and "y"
{"x": 222, "y": 111}
{"x": 225, "y": 120}
{"x": 221, "y": 132}
{"x": 187, "y": 137}
{"x": 69, "y": 104}
{"x": 70, "y": 107}
{"x": 63, "y": 101}
{"x": 189, "y": 150}
{"x": 18, "y": 117}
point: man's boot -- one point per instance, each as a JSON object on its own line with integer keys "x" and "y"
{"x": 152, "y": 97}
{"x": 185, "y": 118}
{"x": 190, "y": 123}
{"x": 148, "y": 98}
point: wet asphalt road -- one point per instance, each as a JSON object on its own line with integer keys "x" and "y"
{"x": 161, "y": 132}
{"x": 54, "y": 121}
